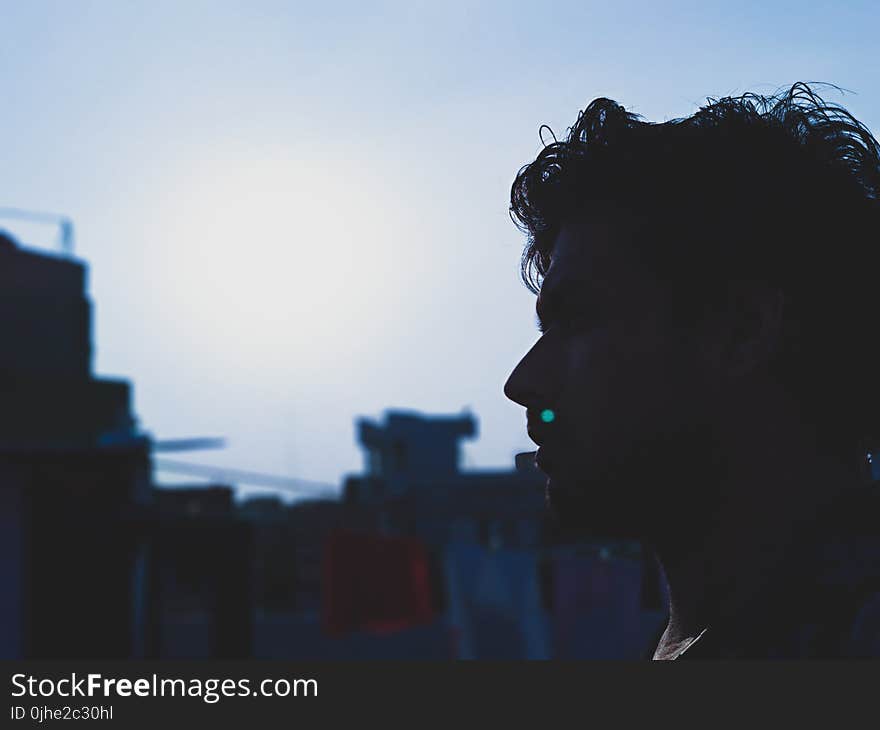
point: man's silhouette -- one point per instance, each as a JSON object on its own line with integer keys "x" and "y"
{"x": 706, "y": 294}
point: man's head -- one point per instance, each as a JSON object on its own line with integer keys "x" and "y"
{"x": 689, "y": 275}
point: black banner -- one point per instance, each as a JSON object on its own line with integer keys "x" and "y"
{"x": 141, "y": 694}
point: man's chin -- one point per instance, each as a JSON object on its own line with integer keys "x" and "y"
{"x": 594, "y": 512}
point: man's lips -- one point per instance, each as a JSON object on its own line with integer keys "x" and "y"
{"x": 542, "y": 461}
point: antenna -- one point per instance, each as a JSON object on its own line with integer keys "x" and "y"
{"x": 240, "y": 476}
{"x": 189, "y": 444}
{"x": 226, "y": 474}
{"x": 65, "y": 225}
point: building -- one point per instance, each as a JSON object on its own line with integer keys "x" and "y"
{"x": 73, "y": 471}
{"x": 414, "y": 484}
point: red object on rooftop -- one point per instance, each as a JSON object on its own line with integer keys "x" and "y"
{"x": 374, "y": 583}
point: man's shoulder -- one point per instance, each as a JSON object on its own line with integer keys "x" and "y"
{"x": 863, "y": 640}
{"x": 826, "y": 605}
{"x": 847, "y": 578}
{"x": 835, "y": 620}
{"x": 835, "y": 611}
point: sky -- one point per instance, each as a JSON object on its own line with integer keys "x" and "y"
{"x": 296, "y": 214}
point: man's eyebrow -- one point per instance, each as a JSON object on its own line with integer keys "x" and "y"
{"x": 543, "y": 310}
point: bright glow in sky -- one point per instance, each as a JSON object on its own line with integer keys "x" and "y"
{"x": 296, "y": 214}
{"x": 295, "y": 263}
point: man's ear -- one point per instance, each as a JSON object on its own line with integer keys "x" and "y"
{"x": 745, "y": 331}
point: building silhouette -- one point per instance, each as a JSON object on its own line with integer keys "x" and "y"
{"x": 73, "y": 467}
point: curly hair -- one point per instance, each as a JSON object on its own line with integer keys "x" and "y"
{"x": 782, "y": 188}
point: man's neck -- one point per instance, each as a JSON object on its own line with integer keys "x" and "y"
{"x": 728, "y": 551}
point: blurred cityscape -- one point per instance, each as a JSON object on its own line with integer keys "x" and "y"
{"x": 416, "y": 558}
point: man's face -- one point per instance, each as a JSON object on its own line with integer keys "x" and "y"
{"x": 622, "y": 380}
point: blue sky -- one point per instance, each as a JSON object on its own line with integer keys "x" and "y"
{"x": 296, "y": 214}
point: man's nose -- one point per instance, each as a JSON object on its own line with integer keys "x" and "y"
{"x": 523, "y": 386}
